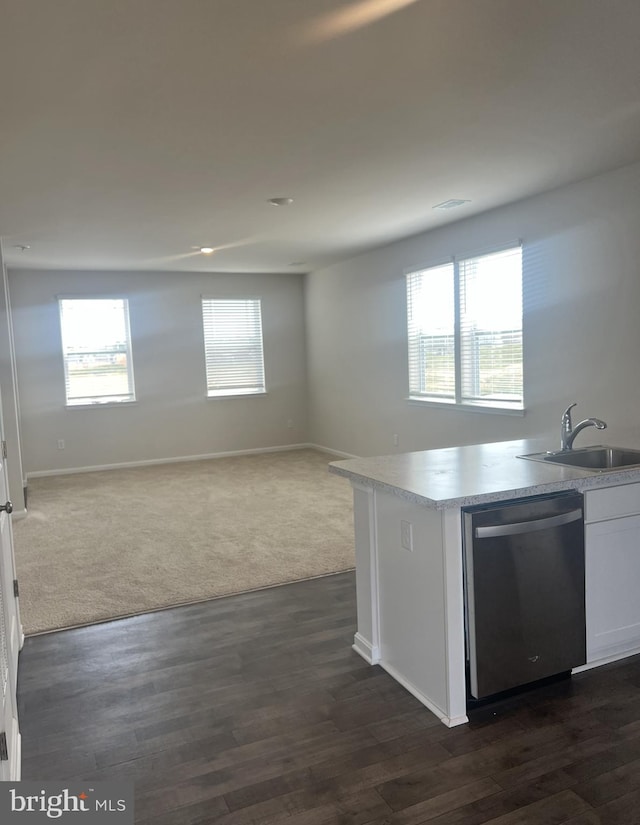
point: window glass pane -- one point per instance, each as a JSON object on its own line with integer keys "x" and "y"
{"x": 234, "y": 355}
{"x": 431, "y": 326}
{"x": 96, "y": 350}
{"x": 491, "y": 327}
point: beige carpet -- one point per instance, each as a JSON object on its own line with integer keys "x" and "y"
{"x": 118, "y": 542}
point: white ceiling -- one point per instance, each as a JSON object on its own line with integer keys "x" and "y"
{"x": 134, "y": 130}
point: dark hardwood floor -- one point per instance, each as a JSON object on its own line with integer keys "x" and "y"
{"x": 254, "y": 708}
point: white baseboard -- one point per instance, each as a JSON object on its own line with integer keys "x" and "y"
{"x": 365, "y": 649}
{"x": 172, "y": 460}
{"x": 371, "y": 655}
{"x": 331, "y": 451}
{"x": 18, "y": 515}
{"x": 449, "y": 721}
{"x": 605, "y": 659}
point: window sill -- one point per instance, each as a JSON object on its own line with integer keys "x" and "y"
{"x": 236, "y": 395}
{"x": 492, "y": 409}
{"x": 100, "y": 405}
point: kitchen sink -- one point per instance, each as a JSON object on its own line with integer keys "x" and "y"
{"x": 598, "y": 458}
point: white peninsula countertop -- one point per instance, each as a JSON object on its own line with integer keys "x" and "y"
{"x": 475, "y": 474}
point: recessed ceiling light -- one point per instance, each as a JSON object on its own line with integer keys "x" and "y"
{"x": 452, "y": 203}
{"x": 207, "y": 250}
{"x": 280, "y": 201}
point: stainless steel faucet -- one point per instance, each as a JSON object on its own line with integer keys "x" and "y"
{"x": 569, "y": 432}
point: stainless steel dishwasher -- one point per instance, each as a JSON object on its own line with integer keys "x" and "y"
{"x": 524, "y": 591}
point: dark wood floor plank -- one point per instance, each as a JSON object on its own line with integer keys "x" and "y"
{"x": 624, "y": 810}
{"x": 612, "y": 784}
{"x": 552, "y": 810}
{"x": 569, "y": 757}
{"x": 360, "y": 808}
{"x": 441, "y": 804}
{"x": 487, "y": 760}
{"x": 255, "y": 709}
{"x": 475, "y": 810}
{"x": 590, "y": 818}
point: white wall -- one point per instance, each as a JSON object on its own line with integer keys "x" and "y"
{"x": 171, "y": 417}
{"x": 581, "y": 325}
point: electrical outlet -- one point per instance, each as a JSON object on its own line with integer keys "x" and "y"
{"x": 61, "y": 443}
{"x": 290, "y": 423}
{"x": 396, "y": 439}
{"x": 406, "y": 535}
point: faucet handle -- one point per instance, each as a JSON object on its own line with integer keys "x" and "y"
{"x": 566, "y": 415}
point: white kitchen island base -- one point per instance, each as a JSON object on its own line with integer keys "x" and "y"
{"x": 410, "y": 601}
{"x": 409, "y": 560}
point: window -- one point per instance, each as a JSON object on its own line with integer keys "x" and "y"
{"x": 465, "y": 331}
{"x": 233, "y": 349}
{"x": 96, "y": 348}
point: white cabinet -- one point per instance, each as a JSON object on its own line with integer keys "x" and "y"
{"x": 612, "y": 571}
{"x": 410, "y": 597}
{"x": 411, "y": 610}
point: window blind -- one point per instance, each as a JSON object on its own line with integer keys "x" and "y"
{"x": 464, "y": 324}
{"x": 234, "y": 356}
{"x": 431, "y": 327}
{"x": 491, "y": 327}
{"x": 96, "y": 350}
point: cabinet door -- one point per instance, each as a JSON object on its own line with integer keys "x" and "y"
{"x": 612, "y": 573}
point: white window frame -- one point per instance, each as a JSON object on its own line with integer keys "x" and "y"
{"x": 101, "y": 399}
{"x": 456, "y": 399}
{"x": 227, "y": 385}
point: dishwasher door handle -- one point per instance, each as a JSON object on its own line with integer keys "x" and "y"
{"x": 527, "y": 526}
